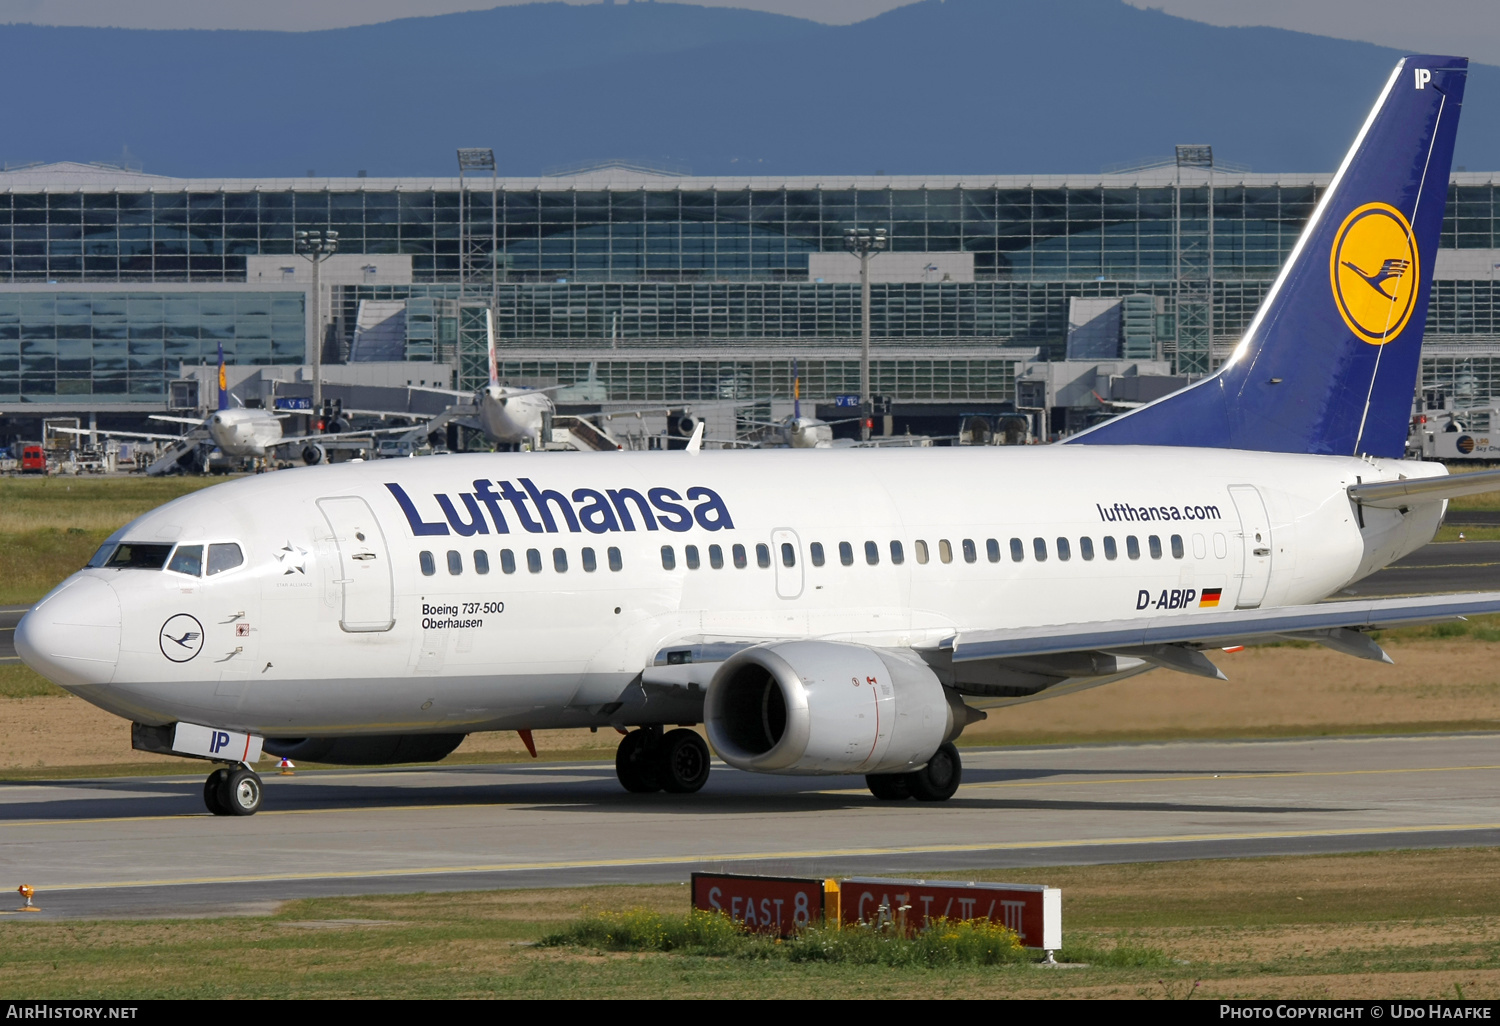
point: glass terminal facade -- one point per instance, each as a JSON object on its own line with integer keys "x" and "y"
{"x": 102, "y": 273}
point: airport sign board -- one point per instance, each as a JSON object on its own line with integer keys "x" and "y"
{"x": 1033, "y": 911}
{"x": 761, "y": 904}
{"x": 293, "y": 402}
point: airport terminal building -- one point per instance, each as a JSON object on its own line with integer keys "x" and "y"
{"x": 660, "y": 288}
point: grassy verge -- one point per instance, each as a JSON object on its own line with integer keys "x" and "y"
{"x": 17, "y": 680}
{"x": 49, "y": 527}
{"x": 1415, "y": 924}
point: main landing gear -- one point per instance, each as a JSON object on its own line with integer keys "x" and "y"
{"x": 935, "y": 782}
{"x": 232, "y": 792}
{"x": 648, "y": 760}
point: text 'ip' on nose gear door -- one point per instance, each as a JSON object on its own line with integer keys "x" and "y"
{"x": 364, "y": 565}
{"x": 1255, "y": 530}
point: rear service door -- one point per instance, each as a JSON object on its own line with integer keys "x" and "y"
{"x": 364, "y": 565}
{"x": 1255, "y": 535}
{"x": 786, "y": 556}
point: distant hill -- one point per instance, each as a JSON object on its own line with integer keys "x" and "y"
{"x": 956, "y": 87}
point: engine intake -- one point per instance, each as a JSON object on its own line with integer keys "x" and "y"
{"x": 828, "y": 707}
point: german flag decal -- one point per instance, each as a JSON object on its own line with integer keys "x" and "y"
{"x": 1210, "y": 597}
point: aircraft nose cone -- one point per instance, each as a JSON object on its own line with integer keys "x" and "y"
{"x": 72, "y": 636}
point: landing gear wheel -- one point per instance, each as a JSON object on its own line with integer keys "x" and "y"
{"x": 636, "y": 764}
{"x": 213, "y": 790}
{"x": 937, "y": 781}
{"x": 241, "y": 793}
{"x": 682, "y": 759}
{"x": 889, "y": 787}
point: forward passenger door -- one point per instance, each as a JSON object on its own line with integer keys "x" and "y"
{"x": 364, "y": 565}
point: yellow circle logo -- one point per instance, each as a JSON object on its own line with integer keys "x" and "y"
{"x": 1374, "y": 269}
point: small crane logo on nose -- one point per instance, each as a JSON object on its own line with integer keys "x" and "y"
{"x": 181, "y": 638}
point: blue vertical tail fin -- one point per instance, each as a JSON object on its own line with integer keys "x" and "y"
{"x": 223, "y": 381}
{"x": 1329, "y": 364}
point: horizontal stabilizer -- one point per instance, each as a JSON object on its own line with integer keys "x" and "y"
{"x": 1416, "y": 492}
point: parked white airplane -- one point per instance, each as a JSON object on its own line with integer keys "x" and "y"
{"x": 821, "y": 612}
{"x": 242, "y": 432}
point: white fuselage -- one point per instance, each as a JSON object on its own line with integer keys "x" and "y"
{"x": 351, "y": 615}
{"x": 244, "y": 432}
{"x": 512, "y": 416}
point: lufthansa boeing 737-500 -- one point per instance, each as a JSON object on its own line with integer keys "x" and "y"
{"x": 843, "y": 611}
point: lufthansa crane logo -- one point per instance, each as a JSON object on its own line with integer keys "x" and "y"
{"x": 181, "y": 638}
{"x": 1374, "y": 268}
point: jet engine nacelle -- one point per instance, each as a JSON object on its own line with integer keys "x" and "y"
{"x": 682, "y": 424}
{"x": 823, "y": 707}
{"x": 313, "y": 454}
{"x": 370, "y": 750}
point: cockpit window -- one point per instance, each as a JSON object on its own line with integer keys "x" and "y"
{"x": 188, "y": 559}
{"x": 101, "y": 558}
{"x": 134, "y": 556}
{"x": 224, "y": 556}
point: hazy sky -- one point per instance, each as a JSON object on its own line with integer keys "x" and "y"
{"x": 1469, "y": 27}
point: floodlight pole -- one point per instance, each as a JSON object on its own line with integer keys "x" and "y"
{"x": 316, "y": 247}
{"x": 864, "y": 243}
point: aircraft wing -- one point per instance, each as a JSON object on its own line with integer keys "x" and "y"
{"x": 195, "y": 421}
{"x": 122, "y": 434}
{"x": 1174, "y": 640}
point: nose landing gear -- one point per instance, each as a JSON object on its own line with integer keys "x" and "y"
{"x": 647, "y": 761}
{"x": 232, "y": 792}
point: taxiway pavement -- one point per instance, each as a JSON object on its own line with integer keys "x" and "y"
{"x": 144, "y": 846}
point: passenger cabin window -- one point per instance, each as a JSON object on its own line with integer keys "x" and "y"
{"x": 788, "y": 554}
{"x": 1132, "y": 546}
{"x": 481, "y": 561}
{"x": 846, "y": 553}
{"x": 762, "y": 555}
{"x": 945, "y": 551}
{"x": 1221, "y": 547}
{"x": 971, "y": 554}
{"x": 1086, "y": 548}
{"x": 455, "y": 562}
{"x": 507, "y": 561}
{"x": 1039, "y": 549}
{"x": 738, "y": 552}
{"x": 590, "y": 562}
{"x": 668, "y": 558}
{"x": 130, "y": 556}
{"x": 1155, "y": 543}
{"x": 690, "y": 556}
{"x": 716, "y": 557}
{"x": 1064, "y": 550}
{"x": 188, "y": 559}
{"x": 815, "y": 552}
{"x": 921, "y": 548}
{"x": 534, "y": 560}
{"x": 1177, "y": 550}
{"x": 615, "y": 563}
{"x": 560, "y": 560}
{"x": 1200, "y": 547}
{"x": 992, "y": 549}
{"x": 224, "y": 556}
{"x": 429, "y": 565}
{"x": 872, "y": 553}
{"x": 1017, "y": 550}
{"x": 898, "y": 555}
{"x": 1110, "y": 549}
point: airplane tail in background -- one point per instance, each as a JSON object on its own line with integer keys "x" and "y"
{"x": 489, "y": 334}
{"x": 223, "y": 381}
{"x": 1329, "y": 364}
